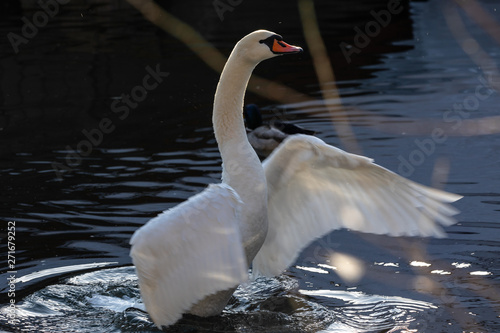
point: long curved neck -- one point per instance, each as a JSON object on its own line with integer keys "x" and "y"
{"x": 242, "y": 169}
{"x": 228, "y": 104}
{"x": 239, "y": 160}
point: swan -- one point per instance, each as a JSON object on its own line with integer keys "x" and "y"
{"x": 191, "y": 258}
{"x": 264, "y": 138}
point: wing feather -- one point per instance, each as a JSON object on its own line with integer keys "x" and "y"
{"x": 189, "y": 252}
{"x": 314, "y": 188}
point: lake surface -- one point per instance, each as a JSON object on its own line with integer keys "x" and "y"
{"x": 79, "y": 176}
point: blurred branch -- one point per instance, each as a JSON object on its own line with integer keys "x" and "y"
{"x": 468, "y": 43}
{"x": 210, "y": 55}
{"x": 476, "y": 12}
{"x": 326, "y": 76}
{"x": 413, "y": 126}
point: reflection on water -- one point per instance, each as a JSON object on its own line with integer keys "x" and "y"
{"x": 267, "y": 305}
{"x": 72, "y": 264}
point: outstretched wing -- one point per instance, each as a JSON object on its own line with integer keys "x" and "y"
{"x": 314, "y": 188}
{"x": 189, "y": 252}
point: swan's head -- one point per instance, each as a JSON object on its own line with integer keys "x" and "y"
{"x": 262, "y": 44}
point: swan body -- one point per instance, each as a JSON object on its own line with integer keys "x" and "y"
{"x": 265, "y": 137}
{"x": 191, "y": 258}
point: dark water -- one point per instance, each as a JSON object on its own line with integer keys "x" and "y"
{"x": 414, "y": 97}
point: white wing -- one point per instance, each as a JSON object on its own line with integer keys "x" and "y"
{"x": 189, "y": 252}
{"x": 315, "y": 188}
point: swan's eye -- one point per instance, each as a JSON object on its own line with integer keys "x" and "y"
{"x": 270, "y": 40}
{"x": 264, "y": 41}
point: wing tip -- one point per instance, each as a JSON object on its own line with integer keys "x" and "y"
{"x": 437, "y": 194}
{"x": 447, "y": 196}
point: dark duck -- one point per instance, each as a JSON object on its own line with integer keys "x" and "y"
{"x": 265, "y": 137}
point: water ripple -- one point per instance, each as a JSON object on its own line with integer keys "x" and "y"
{"x": 266, "y": 305}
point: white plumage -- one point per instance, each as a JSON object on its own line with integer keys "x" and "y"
{"x": 315, "y": 188}
{"x": 192, "y": 257}
{"x": 188, "y": 252}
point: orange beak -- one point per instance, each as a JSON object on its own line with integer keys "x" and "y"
{"x": 280, "y": 47}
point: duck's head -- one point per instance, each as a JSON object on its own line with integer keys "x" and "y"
{"x": 253, "y": 118}
{"x": 262, "y": 44}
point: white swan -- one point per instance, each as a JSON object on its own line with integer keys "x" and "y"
{"x": 192, "y": 257}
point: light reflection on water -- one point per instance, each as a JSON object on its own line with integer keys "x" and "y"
{"x": 429, "y": 285}
{"x": 272, "y": 304}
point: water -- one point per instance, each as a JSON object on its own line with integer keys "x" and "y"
{"x": 71, "y": 243}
